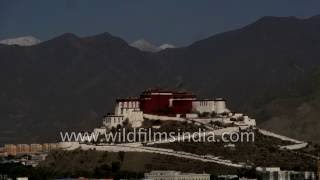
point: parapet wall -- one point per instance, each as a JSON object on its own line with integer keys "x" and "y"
{"x": 162, "y": 118}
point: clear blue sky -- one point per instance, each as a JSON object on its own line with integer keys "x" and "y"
{"x": 179, "y": 22}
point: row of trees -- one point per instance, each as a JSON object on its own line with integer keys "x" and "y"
{"x": 71, "y": 165}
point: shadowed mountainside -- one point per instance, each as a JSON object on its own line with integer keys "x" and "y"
{"x": 71, "y": 82}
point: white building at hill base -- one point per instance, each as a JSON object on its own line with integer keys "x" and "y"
{"x": 175, "y": 175}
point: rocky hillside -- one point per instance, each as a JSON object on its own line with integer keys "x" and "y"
{"x": 296, "y": 111}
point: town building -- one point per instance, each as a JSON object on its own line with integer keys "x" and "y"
{"x": 27, "y": 149}
{"x": 23, "y": 148}
{"x": 175, "y": 175}
{"x": 35, "y": 148}
{"x": 10, "y": 149}
{"x": 228, "y": 177}
{"x": 53, "y": 146}
{"x": 47, "y": 147}
{"x": 22, "y": 178}
{"x": 3, "y": 153}
{"x": 275, "y": 173}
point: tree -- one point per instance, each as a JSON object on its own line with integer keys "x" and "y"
{"x": 148, "y": 167}
{"x": 211, "y": 123}
{"x": 213, "y": 114}
{"x": 248, "y": 173}
{"x": 204, "y": 114}
{"x": 217, "y": 123}
{"x": 102, "y": 171}
{"x": 126, "y": 124}
{"x": 121, "y": 155}
{"x": 115, "y": 166}
{"x": 224, "y": 114}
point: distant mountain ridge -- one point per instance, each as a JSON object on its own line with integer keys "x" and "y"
{"x": 70, "y": 82}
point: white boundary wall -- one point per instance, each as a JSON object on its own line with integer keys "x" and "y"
{"x": 162, "y": 118}
{"x": 284, "y": 138}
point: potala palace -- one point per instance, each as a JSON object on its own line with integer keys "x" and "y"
{"x": 159, "y": 104}
{"x": 182, "y": 106}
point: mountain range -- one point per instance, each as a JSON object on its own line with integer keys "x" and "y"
{"x": 267, "y": 69}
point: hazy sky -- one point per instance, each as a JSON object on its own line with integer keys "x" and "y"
{"x": 179, "y": 22}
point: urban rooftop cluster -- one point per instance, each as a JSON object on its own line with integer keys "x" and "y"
{"x": 26, "y": 149}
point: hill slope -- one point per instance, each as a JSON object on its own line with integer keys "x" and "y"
{"x": 296, "y": 112}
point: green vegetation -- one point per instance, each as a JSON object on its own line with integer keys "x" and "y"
{"x": 165, "y": 126}
{"x": 87, "y": 164}
{"x": 123, "y": 164}
{"x": 172, "y": 126}
{"x": 264, "y": 151}
{"x": 14, "y": 170}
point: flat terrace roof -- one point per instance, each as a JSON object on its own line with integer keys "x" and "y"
{"x": 127, "y": 99}
{"x": 148, "y": 91}
{"x": 211, "y": 99}
{"x": 205, "y": 99}
{"x": 112, "y": 115}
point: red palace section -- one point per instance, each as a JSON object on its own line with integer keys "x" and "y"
{"x": 165, "y": 102}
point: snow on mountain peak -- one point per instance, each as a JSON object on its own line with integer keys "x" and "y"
{"x": 144, "y": 45}
{"x": 21, "y": 41}
{"x": 166, "y": 46}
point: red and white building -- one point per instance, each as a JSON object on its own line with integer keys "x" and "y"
{"x": 161, "y": 103}
{"x": 165, "y": 102}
